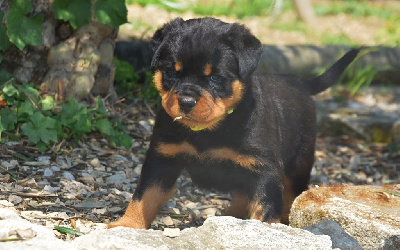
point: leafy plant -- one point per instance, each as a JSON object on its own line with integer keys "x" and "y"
{"x": 112, "y": 13}
{"x": 356, "y": 76}
{"x": 28, "y": 114}
{"x": 76, "y": 12}
{"x": 22, "y": 29}
{"x": 40, "y": 130}
{"x": 4, "y": 41}
{"x": 126, "y": 78}
{"x": 128, "y": 84}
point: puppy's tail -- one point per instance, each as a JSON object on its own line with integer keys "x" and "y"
{"x": 330, "y": 76}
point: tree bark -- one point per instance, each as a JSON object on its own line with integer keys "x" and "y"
{"x": 69, "y": 63}
{"x": 306, "y": 12}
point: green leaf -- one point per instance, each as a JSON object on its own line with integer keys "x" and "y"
{"x": 124, "y": 71}
{"x": 76, "y": 117}
{"x": 76, "y": 12}
{"x": 104, "y": 126}
{"x": 40, "y": 128}
{"x": 41, "y": 146}
{"x": 47, "y": 103}
{"x": 10, "y": 93}
{"x": 67, "y": 230}
{"x": 72, "y": 111}
{"x": 23, "y": 30}
{"x": 25, "y": 110}
{"x": 10, "y": 90}
{"x": 8, "y": 119}
{"x": 121, "y": 139}
{"x": 5, "y": 77}
{"x": 1, "y": 127}
{"x": 100, "y": 109}
{"x": 4, "y": 41}
{"x": 29, "y": 90}
{"x": 111, "y": 12}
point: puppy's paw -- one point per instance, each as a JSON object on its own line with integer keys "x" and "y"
{"x": 125, "y": 221}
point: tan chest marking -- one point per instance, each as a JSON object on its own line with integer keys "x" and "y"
{"x": 173, "y": 149}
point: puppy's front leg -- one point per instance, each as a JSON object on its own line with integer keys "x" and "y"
{"x": 156, "y": 186}
{"x": 266, "y": 203}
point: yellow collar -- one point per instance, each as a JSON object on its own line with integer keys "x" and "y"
{"x": 199, "y": 128}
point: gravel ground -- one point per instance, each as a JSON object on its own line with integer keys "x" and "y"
{"x": 89, "y": 184}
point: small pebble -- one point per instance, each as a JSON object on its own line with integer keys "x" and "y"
{"x": 167, "y": 220}
{"x": 172, "y": 232}
{"x": 48, "y": 172}
{"x": 14, "y": 199}
{"x": 87, "y": 179}
{"x": 95, "y": 162}
{"x": 51, "y": 189}
{"x": 9, "y": 165}
{"x": 209, "y": 212}
{"x": 69, "y": 176}
{"x": 55, "y": 168}
{"x": 174, "y": 210}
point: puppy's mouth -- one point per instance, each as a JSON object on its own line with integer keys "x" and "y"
{"x": 197, "y": 110}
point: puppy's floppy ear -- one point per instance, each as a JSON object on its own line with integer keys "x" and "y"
{"x": 159, "y": 39}
{"x": 247, "y": 47}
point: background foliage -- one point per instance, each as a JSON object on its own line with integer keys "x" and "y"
{"x": 42, "y": 120}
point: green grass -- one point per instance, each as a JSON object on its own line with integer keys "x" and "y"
{"x": 361, "y": 8}
{"x": 245, "y": 8}
{"x": 327, "y": 38}
{"x": 238, "y": 8}
{"x": 390, "y": 33}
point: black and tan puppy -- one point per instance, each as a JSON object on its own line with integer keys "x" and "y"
{"x": 252, "y": 135}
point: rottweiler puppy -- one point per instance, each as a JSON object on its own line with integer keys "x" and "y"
{"x": 232, "y": 130}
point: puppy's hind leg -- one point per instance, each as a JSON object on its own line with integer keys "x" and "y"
{"x": 266, "y": 204}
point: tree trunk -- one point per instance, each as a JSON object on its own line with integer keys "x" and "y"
{"x": 306, "y": 12}
{"x": 69, "y": 63}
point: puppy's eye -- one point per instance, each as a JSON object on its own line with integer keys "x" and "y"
{"x": 216, "y": 79}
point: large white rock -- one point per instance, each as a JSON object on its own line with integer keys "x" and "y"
{"x": 216, "y": 233}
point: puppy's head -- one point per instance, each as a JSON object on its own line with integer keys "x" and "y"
{"x": 201, "y": 66}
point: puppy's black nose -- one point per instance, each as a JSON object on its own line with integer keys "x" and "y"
{"x": 187, "y": 103}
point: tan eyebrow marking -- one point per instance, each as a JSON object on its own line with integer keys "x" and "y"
{"x": 178, "y": 66}
{"x": 208, "y": 69}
